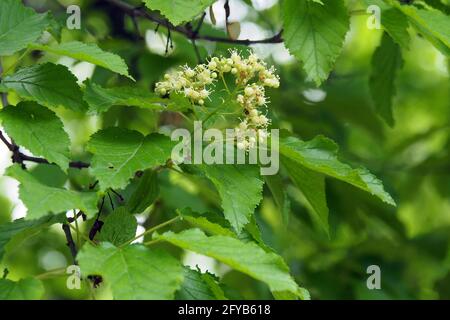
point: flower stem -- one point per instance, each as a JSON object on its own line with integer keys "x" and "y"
{"x": 166, "y": 223}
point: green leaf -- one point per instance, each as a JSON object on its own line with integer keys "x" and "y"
{"x": 285, "y": 295}
{"x": 119, "y": 227}
{"x": 432, "y": 24}
{"x": 55, "y": 26}
{"x": 24, "y": 289}
{"x": 386, "y": 62}
{"x": 215, "y": 224}
{"x": 101, "y": 99}
{"x": 212, "y": 282}
{"x": 39, "y": 130}
{"x": 252, "y": 232}
{"x": 145, "y": 194}
{"x": 314, "y": 34}
{"x": 19, "y": 26}
{"x": 240, "y": 188}
{"x": 278, "y": 190}
{"x": 119, "y": 153}
{"x": 247, "y": 257}
{"x": 48, "y": 84}
{"x": 394, "y": 21}
{"x": 12, "y": 233}
{"x": 134, "y": 272}
{"x": 396, "y": 25}
{"x": 88, "y": 52}
{"x": 179, "y": 11}
{"x": 199, "y": 286}
{"x": 312, "y": 185}
{"x": 49, "y": 174}
{"x": 193, "y": 287}
{"x": 320, "y": 155}
{"x": 41, "y": 199}
{"x": 211, "y": 223}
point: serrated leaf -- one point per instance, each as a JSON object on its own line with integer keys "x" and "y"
{"x": 12, "y": 233}
{"x": 102, "y": 99}
{"x": 19, "y": 26}
{"x": 211, "y": 223}
{"x": 24, "y": 289}
{"x": 39, "y": 130}
{"x": 199, "y": 286}
{"x": 55, "y": 26}
{"x": 119, "y": 153}
{"x": 320, "y": 155}
{"x": 394, "y": 21}
{"x": 252, "y": 232}
{"x": 285, "y": 295}
{"x": 314, "y": 33}
{"x": 386, "y": 62}
{"x": 312, "y": 185}
{"x": 396, "y": 24}
{"x": 133, "y": 272}
{"x": 48, "y": 84}
{"x": 41, "y": 199}
{"x": 145, "y": 194}
{"x": 215, "y": 224}
{"x": 247, "y": 258}
{"x": 89, "y": 52}
{"x": 213, "y": 284}
{"x": 240, "y": 188}
{"x": 119, "y": 227}
{"x": 432, "y": 24}
{"x": 179, "y": 11}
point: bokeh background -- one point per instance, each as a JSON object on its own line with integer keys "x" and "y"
{"x": 410, "y": 243}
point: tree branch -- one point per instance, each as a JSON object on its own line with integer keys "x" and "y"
{"x": 70, "y": 242}
{"x": 188, "y": 33}
{"x": 19, "y": 157}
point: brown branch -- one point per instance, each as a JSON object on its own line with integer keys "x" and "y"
{"x": 19, "y": 157}
{"x": 70, "y": 242}
{"x": 187, "y": 32}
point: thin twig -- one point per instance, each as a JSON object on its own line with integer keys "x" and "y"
{"x": 79, "y": 214}
{"x": 118, "y": 195}
{"x": 97, "y": 226}
{"x": 148, "y": 231}
{"x": 200, "y": 23}
{"x": 110, "y": 201}
{"x": 70, "y": 242}
{"x": 51, "y": 273}
{"x": 85, "y": 237}
{"x": 197, "y": 52}
{"x": 188, "y": 33}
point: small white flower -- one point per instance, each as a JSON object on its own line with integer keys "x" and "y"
{"x": 248, "y": 91}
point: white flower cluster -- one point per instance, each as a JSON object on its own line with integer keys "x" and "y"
{"x": 191, "y": 82}
{"x": 251, "y": 77}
